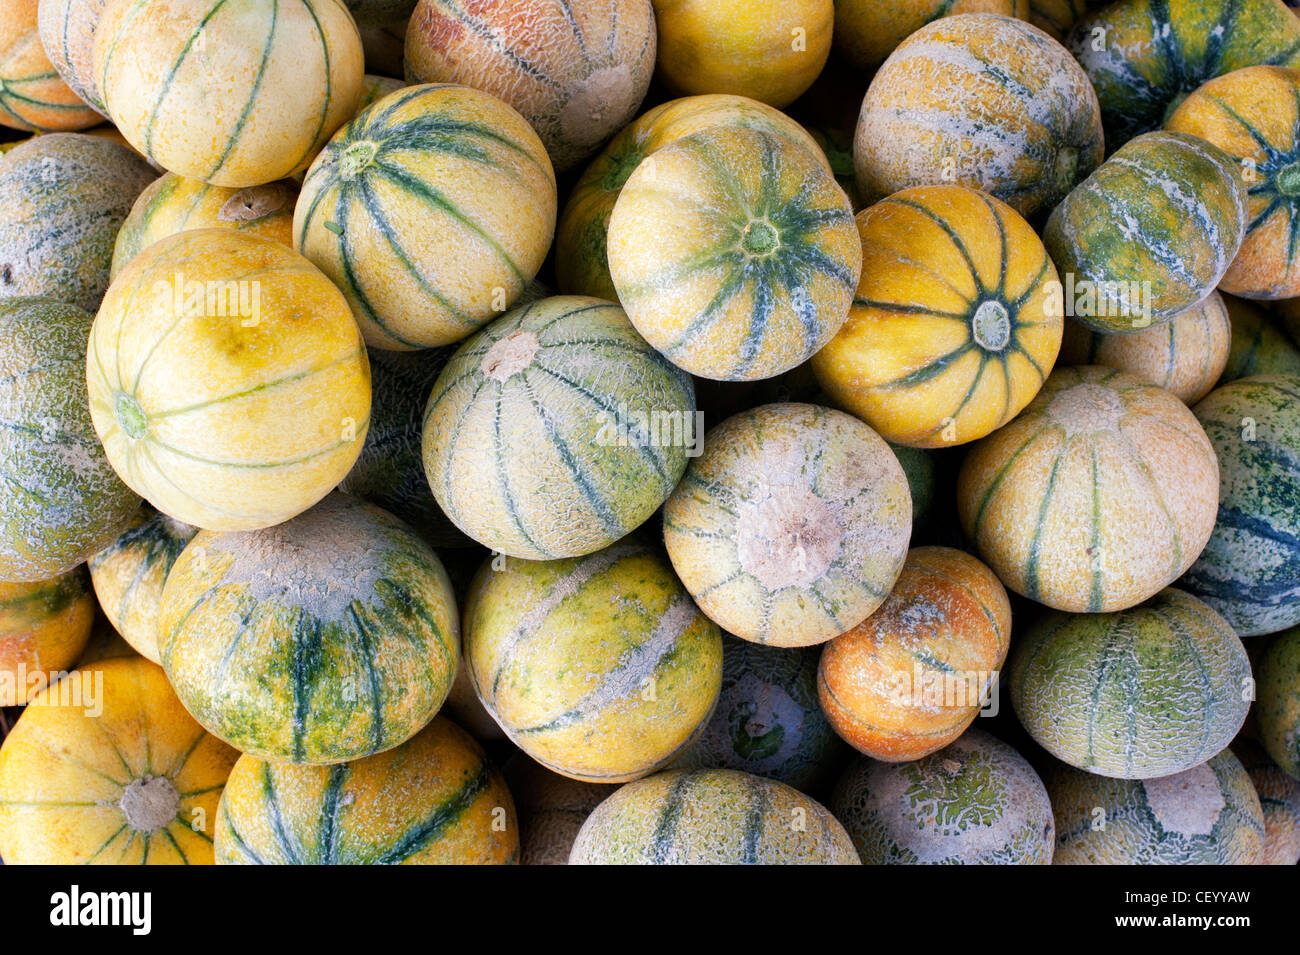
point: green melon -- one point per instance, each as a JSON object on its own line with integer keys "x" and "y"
{"x": 974, "y": 802}
{"x": 1279, "y": 797}
{"x": 921, "y": 472}
{"x": 1277, "y": 710}
{"x": 1259, "y": 346}
{"x": 711, "y": 817}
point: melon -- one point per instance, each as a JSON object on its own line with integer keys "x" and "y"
{"x": 1206, "y": 815}
{"x": 1279, "y": 798}
{"x": 1149, "y": 691}
{"x": 1259, "y": 344}
{"x": 921, "y": 470}
{"x": 60, "y": 501}
{"x": 711, "y": 817}
{"x": 433, "y": 800}
{"x": 33, "y": 97}
{"x": 44, "y": 626}
{"x": 467, "y": 711}
{"x": 105, "y": 643}
{"x": 599, "y": 667}
{"x": 107, "y": 768}
{"x": 67, "y": 31}
{"x": 203, "y": 342}
{"x": 1097, "y": 496}
{"x": 322, "y": 640}
{"x": 576, "y": 69}
{"x": 291, "y": 74}
{"x": 912, "y": 677}
{"x": 128, "y": 576}
{"x": 792, "y": 526}
{"x": 432, "y": 210}
{"x": 62, "y": 199}
{"x": 867, "y": 31}
{"x": 1056, "y": 17}
{"x": 1250, "y": 569}
{"x": 375, "y": 88}
{"x": 1277, "y": 708}
{"x": 974, "y": 802}
{"x": 735, "y": 253}
{"x": 552, "y": 808}
{"x": 557, "y": 430}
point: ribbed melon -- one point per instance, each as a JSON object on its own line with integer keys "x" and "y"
{"x": 44, "y": 626}
{"x": 912, "y": 677}
{"x": 1207, "y": 815}
{"x": 734, "y": 253}
{"x": 1185, "y": 356}
{"x": 60, "y": 501}
{"x": 32, "y": 95}
{"x": 432, "y": 210}
{"x": 321, "y": 640}
{"x": 552, "y": 808}
{"x": 711, "y": 817}
{"x": 581, "y": 261}
{"x": 1250, "y": 569}
{"x": 867, "y": 31}
{"x": 1099, "y": 495}
{"x": 374, "y": 88}
{"x": 956, "y": 321}
{"x": 202, "y": 344}
{"x": 599, "y": 667}
{"x": 576, "y": 69}
{"x": 1277, "y": 710}
{"x": 792, "y": 525}
{"x": 1279, "y": 797}
{"x": 62, "y": 199}
{"x": 290, "y": 75}
{"x": 983, "y": 101}
{"x": 129, "y": 779}
{"x": 557, "y": 430}
{"x": 768, "y": 721}
{"x": 176, "y": 204}
{"x": 128, "y": 576}
{"x": 434, "y": 800}
{"x": 67, "y": 31}
{"x": 1260, "y": 346}
{"x": 921, "y": 471}
{"x": 974, "y": 802}
{"x": 1149, "y": 691}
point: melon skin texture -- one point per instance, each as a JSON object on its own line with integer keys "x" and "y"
{"x": 552, "y": 808}
{"x": 33, "y": 97}
{"x": 792, "y": 525}
{"x": 1279, "y": 797}
{"x": 770, "y": 50}
{"x": 600, "y": 667}
{"x": 1149, "y": 691}
{"x": 912, "y": 677}
{"x": 60, "y": 501}
{"x": 1100, "y": 494}
{"x": 202, "y": 343}
{"x": 67, "y": 31}
{"x": 711, "y": 817}
{"x": 768, "y": 721}
{"x": 291, "y": 74}
{"x": 1206, "y": 815}
{"x": 1186, "y": 355}
{"x": 576, "y": 69}
{"x": 432, "y": 210}
{"x": 557, "y": 430}
{"x": 974, "y": 802}
{"x": 1260, "y": 345}
{"x": 1250, "y": 569}
{"x": 321, "y": 640}
{"x": 939, "y": 108}
{"x": 128, "y": 577}
{"x": 131, "y": 780}
{"x": 867, "y": 31}
{"x": 1277, "y": 709}
{"x": 434, "y": 800}
{"x": 62, "y": 199}
{"x": 44, "y": 626}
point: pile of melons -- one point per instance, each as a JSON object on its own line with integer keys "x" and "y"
{"x": 649, "y": 431}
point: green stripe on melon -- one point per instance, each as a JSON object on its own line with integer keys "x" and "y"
{"x": 1259, "y": 346}
{"x": 67, "y": 30}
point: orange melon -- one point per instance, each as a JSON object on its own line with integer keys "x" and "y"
{"x": 44, "y": 627}
{"x": 32, "y": 94}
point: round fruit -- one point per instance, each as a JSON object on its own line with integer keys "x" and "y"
{"x": 581, "y": 262}
{"x": 600, "y": 667}
{"x": 107, "y": 768}
{"x": 32, "y": 96}
{"x": 60, "y": 501}
{"x": 321, "y": 640}
{"x": 771, "y": 50}
{"x": 913, "y": 676}
{"x": 1149, "y": 691}
{"x": 557, "y": 430}
{"x": 67, "y": 31}
{"x": 974, "y": 802}
{"x": 921, "y": 471}
{"x": 1250, "y": 569}
{"x": 128, "y": 576}
{"x": 290, "y": 74}
{"x": 1278, "y": 709}
{"x": 202, "y": 344}
{"x": 44, "y": 626}
{"x": 1207, "y": 815}
{"x": 1259, "y": 345}
{"x": 1099, "y": 495}
{"x": 552, "y": 809}
{"x": 62, "y": 198}
{"x": 1185, "y": 355}
{"x": 956, "y": 321}
{"x": 434, "y": 800}
{"x": 1279, "y": 797}
{"x": 792, "y": 525}
{"x": 867, "y": 31}
{"x": 734, "y": 253}
{"x": 983, "y": 101}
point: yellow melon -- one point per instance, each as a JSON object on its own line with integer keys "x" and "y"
{"x": 43, "y": 627}
{"x": 32, "y": 94}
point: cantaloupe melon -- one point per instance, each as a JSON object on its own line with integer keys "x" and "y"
{"x": 1277, "y": 707}
{"x": 44, "y": 627}
{"x": 867, "y": 31}
{"x": 1260, "y": 346}
{"x": 67, "y": 31}
{"x": 1279, "y": 797}
{"x": 551, "y": 807}
{"x": 32, "y": 94}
